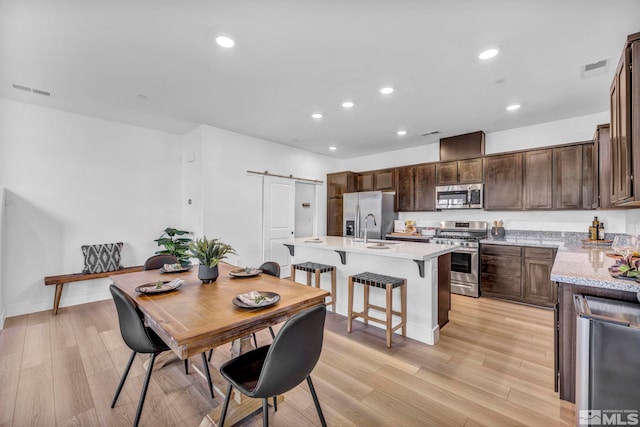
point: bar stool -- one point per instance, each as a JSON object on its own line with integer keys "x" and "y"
{"x": 317, "y": 269}
{"x": 379, "y": 281}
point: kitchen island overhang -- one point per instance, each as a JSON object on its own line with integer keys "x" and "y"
{"x": 416, "y": 262}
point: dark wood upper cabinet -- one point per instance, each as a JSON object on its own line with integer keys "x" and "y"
{"x": 602, "y": 145}
{"x": 503, "y": 182}
{"x": 538, "y": 184}
{"x": 589, "y": 176}
{"x": 365, "y": 181}
{"x": 567, "y": 177}
{"x": 384, "y": 180}
{"x": 459, "y": 172}
{"x": 416, "y": 189}
{"x": 406, "y": 187}
{"x": 461, "y": 147}
{"x": 340, "y": 182}
{"x": 625, "y": 126}
{"x": 425, "y": 188}
{"x": 447, "y": 173}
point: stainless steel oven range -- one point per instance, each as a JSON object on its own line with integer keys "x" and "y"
{"x": 465, "y": 261}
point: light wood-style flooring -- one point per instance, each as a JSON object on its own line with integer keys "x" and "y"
{"x": 493, "y": 366}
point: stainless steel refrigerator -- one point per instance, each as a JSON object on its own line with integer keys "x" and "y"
{"x": 373, "y": 208}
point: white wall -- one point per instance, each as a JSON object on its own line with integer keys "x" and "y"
{"x": 232, "y": 198}
{"x": 74, "y": 180}
{"x": 553, "y": 133}
{"x": 3, "y": 308}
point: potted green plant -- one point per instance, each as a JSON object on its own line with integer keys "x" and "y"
{"x": 209, "y": 253}
{"x": 175, "y": 244}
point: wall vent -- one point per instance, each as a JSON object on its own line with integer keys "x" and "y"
{"x": 594, "y": 69}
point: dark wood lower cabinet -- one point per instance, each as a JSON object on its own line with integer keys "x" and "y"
{"x": 517, "y": 273}
{"x": 444, "y": 289}
{"x": 501, "y": 271}
{"x": 566, "y": 332}
{"x": 538, "y": 289}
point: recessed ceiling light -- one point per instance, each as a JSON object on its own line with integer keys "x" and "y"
{"x": 513, "y": 107}
{"x": 401, "y": 132}
{"x": 348, "y": 104}
{"x": 386, "y": 90}
{"x": 333, "y": 148}
{"x": 225, "y": 41}
{"x": 316, "y": 115}
{"x": 488, "y": 54}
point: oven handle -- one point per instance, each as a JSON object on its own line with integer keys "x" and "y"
{"x": 467, "y": 250}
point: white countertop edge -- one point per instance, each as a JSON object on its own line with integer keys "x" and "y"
{"x": 397, "y": 249}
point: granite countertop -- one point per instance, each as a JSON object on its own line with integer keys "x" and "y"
{"x": 391, "y": 249}
{"x": 541, "y": 242}
{"x": 574, "y": 264}
{"x": 589, "y": 267}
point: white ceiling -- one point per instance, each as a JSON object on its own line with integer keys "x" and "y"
{"x": 296, "y": 57}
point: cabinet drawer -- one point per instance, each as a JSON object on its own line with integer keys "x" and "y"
{"x": 501, "y": 286}
{"x": 539, "y": 253}
{"x": 501, "y": 250}
{"x": 502, "y": 266}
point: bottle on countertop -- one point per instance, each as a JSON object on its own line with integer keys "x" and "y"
{"x": 601, "y": 231}
{"x": 593, "y": 230}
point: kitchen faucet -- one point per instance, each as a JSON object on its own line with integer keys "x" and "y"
{"x": 366, "y": 220}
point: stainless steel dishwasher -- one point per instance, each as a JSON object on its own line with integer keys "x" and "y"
{"x": 607, "y": 361}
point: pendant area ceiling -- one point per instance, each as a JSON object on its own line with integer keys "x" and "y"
{"x": 156, "y": 64}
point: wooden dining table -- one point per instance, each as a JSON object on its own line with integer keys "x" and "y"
{"x": 197, "y": 317}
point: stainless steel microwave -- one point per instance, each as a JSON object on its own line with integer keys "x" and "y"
{"x": 467, "y": 196}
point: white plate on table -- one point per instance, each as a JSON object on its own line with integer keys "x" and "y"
{"x": 239, "y": 303}
{"x": 242, "y": 272}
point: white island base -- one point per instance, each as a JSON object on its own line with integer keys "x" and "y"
{"x": 416, "y": 262}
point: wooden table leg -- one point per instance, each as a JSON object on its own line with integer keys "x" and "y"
{"x": 56, "y": 298}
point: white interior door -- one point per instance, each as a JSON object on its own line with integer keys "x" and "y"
{"x": 278, "y": 224}
{"x": 305, "y": 211}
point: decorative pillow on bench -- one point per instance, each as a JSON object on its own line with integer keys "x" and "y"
{"x": 102, "y": 258}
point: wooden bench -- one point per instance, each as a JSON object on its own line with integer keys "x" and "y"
{"x": 59, "y": 281}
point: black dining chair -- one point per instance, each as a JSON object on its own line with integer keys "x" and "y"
{"x": 271, "y": 268}
{"x": 279, "y": 367}
{"x": 155, "y": 263}
{"x": 158, "y": 261}
{"x": 139, "y": 338}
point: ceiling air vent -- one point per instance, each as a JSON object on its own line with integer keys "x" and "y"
{"x": 41, "y": 92}
{"x": 20, "y": 87}
{"x": 433, "y": 132}
{"x": 28, "y": 89}
{"x": 594, "y": 69}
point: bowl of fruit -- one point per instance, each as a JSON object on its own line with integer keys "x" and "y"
{"x": 626, "y": 267}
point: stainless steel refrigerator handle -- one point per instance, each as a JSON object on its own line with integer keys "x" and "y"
{"x": 356, "y": 225}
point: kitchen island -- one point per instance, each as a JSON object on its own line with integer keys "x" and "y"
{"x": 582, "y": 271}
{"x": 426, "y": 267}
